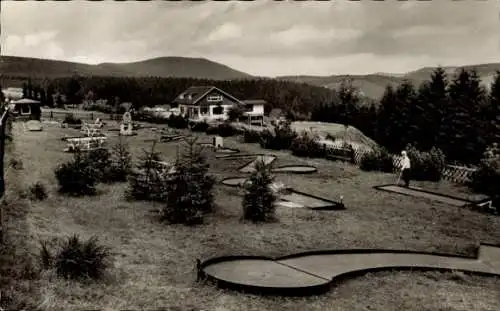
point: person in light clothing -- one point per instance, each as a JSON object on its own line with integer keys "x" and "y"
{"x": 405, "y": 169}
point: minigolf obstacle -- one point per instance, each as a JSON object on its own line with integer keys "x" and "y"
{"x": 92, "y": 140}
{"x": 315, "y": 272}
{"x": 126, "y": 127}
{"x": 287, "y": 196}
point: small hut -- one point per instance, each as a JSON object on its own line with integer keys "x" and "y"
{"x": 26, "y": 108}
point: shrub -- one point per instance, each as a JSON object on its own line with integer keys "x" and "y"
{"x": 426, "y": 165}
{"x": 307, "y": 145}
{"x": 282, "y": 137}
{"x": 147, "y": 182}
{"x": 178, "y": 122}
{"x": 199, "y": 126}
{"x": 486, "y": 179}
{"x": 251, "y": 136}
{"x": 223, "y": 130}
{"x": 77, "y": 177}
{"x": 38, "y": 192}
{"x": 189, "y": 189}
{"x": 99, "y": 107}
{"x": 76, "y": 259}
{"x": 377, "y": 160}
{"x": 330, "y": 137}
{"x": 121, "y": 162}
{"x": 150, "y": 117}
{"x": 235, "y": 113}
{"x": 70, "y": 118}
{"x": 99, "y": 161}
{"x": 258, "y": 201}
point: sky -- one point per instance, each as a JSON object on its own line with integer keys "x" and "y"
{"x": 262, "y": 37}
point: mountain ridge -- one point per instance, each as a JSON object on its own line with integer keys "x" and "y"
{"x": 371, "y": 85}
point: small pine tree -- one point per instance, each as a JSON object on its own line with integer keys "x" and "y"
{"x": 258, "y": 201}
{"x": 98, "y": 160}
{"x": 189, "y": 188}
{"x": 121, "y": 161}
{"x": 77, "y": 177}
{"x": 146, "y": 181}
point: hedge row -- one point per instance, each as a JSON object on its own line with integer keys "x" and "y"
{"x": 425, "y": 165}
{"x": 486, "y": 179}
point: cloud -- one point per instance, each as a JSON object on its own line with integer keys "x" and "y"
{"x": 274, "y": 37}
{"x": 227, "y": 31}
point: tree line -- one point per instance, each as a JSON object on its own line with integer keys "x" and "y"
{"x": 458, "y": 115}
{"x": 294, "y": 98}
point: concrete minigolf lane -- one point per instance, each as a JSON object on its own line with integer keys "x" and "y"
{"x": 416, "y": 192}
{"x": 261, "y": 272}
{"x": 319, "y": 269}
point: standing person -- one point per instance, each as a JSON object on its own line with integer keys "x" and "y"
{"x": 405, "y": 169}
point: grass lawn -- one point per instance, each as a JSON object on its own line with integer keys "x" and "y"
{"x": 154, "y": 263}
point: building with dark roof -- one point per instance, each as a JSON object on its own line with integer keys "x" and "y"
{"x": 211, "y": 103}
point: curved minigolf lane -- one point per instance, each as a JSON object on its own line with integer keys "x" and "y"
{"x": 315, "y": 272}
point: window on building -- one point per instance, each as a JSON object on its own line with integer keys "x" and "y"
{"x": 25, "y": 109}
{"x": 248, "y": 107}
{"x": 204, "y": 110}
{"x": 218, "y": 110}
{"x": 214, "y": 98}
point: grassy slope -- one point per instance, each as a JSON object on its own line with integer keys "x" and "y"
{"x": 154, "y": 263}
{"x": 17, "y": 286}
{"x": 336, "y": 130}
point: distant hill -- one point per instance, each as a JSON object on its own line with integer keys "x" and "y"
{"x": 373, "y": 85}
{"x": 161, "y": 67}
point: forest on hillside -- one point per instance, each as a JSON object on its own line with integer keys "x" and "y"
{"x": 456, "y": 114}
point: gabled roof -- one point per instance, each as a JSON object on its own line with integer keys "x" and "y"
{"x": 25, "y": 101}
{"x": 197, "y": 93}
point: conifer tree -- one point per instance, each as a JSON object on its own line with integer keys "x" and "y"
{"x": 465, "y": 124}
{"x": 493, "y": 111}
{"x": 349, "y": 101}
{"x": 189, "y": 189}
{"x": 405, "y": 101}
{"x": 2, "y": 96}
{"x": 258, "y": 201}
{"x": 387, "y": 112}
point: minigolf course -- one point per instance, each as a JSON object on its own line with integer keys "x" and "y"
{"x": 434, "y": 196}
{"x": 316, "y": 272}
{"x": 287, "y": 197}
